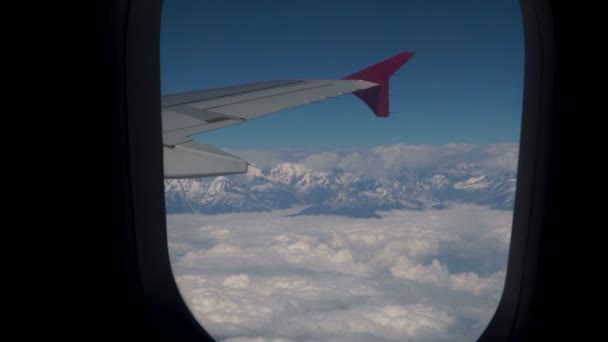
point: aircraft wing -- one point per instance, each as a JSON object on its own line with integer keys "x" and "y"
{"x": 188, "y": 114}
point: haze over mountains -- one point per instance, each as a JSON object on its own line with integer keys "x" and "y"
{"x": 356, "y": 182}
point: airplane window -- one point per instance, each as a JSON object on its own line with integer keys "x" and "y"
{"x": 346, "y": 226}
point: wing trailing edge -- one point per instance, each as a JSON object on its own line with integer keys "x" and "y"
{"x": 192, "y": 159}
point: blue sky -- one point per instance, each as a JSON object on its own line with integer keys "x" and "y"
{"x": 463, "y": 85}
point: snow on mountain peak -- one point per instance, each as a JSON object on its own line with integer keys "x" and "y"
{"x": 287, "y": 173}
{"x": 219, "y": 184}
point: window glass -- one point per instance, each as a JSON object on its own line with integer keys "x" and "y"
{"x": 349, "y": 227}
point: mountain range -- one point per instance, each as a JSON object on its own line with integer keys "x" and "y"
{"x": 338, "y": 192}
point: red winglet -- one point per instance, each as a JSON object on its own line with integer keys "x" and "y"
{"x": 376, "y": 98}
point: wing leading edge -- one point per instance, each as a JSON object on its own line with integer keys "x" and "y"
{"x": 188, "y": 114}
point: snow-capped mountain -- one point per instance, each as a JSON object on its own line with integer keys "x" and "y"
{"x": 338, "y": 192}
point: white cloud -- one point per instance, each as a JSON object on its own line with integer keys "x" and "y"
{"x": 471, "y": 282}
{"x": 237, "y": 281}
{"x": 411, "y": 275}
{"x": 371, "y": 322}
{"x": 255, "y": 339}
{"x": 433, "y": 274}
{"x": 388, "y": 160}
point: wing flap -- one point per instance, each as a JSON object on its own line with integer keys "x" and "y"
{"x": 192, "y": 159}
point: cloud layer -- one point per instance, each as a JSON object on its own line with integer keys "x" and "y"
{"x": 409, "y": 276}
{"x": 389, "y": 160}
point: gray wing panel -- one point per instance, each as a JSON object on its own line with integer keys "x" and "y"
{"x": 292, "y": 94}
{"x": 185, "y": 115}
{"x": 275, "y": 100}
{"x": 202, "y": 95}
